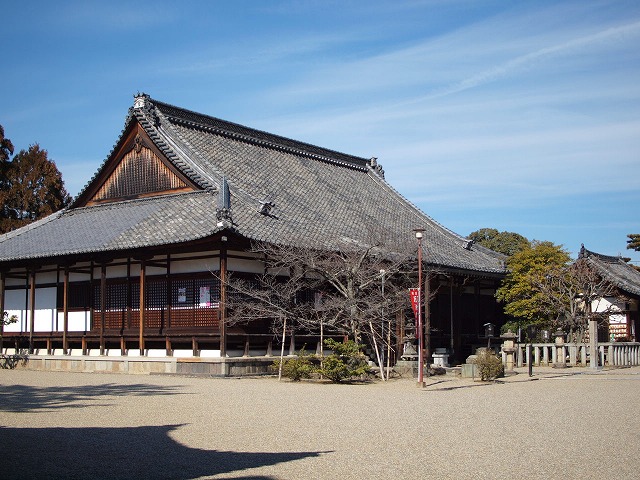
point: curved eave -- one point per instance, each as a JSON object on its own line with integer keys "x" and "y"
{"x": 113, "y": 227}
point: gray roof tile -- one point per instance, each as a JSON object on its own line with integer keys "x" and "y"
{"x": 614, "y": 270}
{"x": 321, "y": 198}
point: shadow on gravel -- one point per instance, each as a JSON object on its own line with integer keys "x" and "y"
{"x": 457, "y": 387}
{"x": 27, "y": 398}
{"x": 121, "y": 453}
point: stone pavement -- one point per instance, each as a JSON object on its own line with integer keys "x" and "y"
{"x": 569, "y": 424}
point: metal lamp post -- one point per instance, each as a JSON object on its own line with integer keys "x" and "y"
{"x": 419, "y": 329}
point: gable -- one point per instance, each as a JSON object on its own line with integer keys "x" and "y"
{"x": 136, "y": 169}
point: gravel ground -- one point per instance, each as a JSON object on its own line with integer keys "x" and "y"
{"x": 559, "y": 424}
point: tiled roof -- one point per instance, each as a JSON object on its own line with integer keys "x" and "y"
{"x": 114, "y": 226}
{"x": 321, "y": 198}
{"x": 614, "y": 270}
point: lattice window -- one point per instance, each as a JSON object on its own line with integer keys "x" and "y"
{"x": 156, "y": 293}
{"x": 139, "y": 172}
{"x": 116, "y": 297}
{"x": 195, "y": 302}
{"x": 79, "y": 296}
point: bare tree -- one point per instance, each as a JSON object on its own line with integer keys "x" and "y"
{"x": 574, "y": 295}
{"x": 337, "y": 291}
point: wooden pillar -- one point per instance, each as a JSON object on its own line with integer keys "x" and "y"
{"x": 65, "y": 311}
{"x": 92, "y": 300}
{"x": 452, "y": 342}
{"x": 32, "y": 308}
{"x": 222, "y": 315}
{"x": 143, "y": 304}
{"x": 129, "y": 298}
{"x": 2, "y": 287}
{"x": 169, "y": 296}
{"x": 427, "y": 318}
{"x": 103, "y": 305}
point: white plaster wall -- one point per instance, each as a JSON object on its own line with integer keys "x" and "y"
{"x": 15, "y": 282}
{"x": 177, "y": 256}
{"x": 194, "y": 266}
{"x": 245, "y": 265}
{"x": 14, "y": 304}
{"x": 78, "y": 321}
{"x": 604, "y": 304}
{"x": 47, "y": 277}
{"x": 45, "y": 310}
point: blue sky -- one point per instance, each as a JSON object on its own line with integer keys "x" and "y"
{"x": 521, "y": 116}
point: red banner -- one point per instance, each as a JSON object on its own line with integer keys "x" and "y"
{"x": 414, "y": 293}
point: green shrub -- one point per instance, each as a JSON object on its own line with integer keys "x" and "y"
{"x": 347, "y": 361}
{"x": 297, "y": 368}
{"x": 489, "y": 365}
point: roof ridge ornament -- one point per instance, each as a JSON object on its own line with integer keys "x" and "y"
{"x": 376, "y": 167}
{"x": 140, "y": 100}
{"x": 223, "y": 212}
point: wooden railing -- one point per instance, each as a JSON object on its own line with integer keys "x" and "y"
{"x": 610, "y": 353}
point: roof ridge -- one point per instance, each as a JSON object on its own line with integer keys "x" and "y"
{"x": 260, "y": 137}
{"x": 170, "y": 152}
{"x": 584, "y": 253}
{"x": 151, "y": 198}
{"x": 33, "y": 225}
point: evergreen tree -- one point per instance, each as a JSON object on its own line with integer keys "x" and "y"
{"x": 634, "y": 242}
{"x": 528, "y": 269}
{"x": 31, "y": 187}
{"x": 507, "y": 243}
{"x": 6, "y": 147}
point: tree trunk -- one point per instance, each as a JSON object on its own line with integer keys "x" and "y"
{"x": 375, "y": 345}
{"x": 284, "y": 332}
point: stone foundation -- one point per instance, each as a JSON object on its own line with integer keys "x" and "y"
{"x": 223, "y": 367}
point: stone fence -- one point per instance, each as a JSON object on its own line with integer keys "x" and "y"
{"x": 610, "y": 353}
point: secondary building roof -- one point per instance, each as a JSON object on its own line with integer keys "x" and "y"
{"x": 203, "y": 175}
{"x": 613, "y": 269}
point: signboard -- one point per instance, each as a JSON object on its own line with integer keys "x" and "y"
{"x": 182, "y": 295}
{"x": 414, "y": 293}
{"x": 205, "y": 297}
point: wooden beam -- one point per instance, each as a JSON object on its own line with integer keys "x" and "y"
{"x": 103, "y": 305}
{"x": 92, "y": 307}
{"x": 222, "y": 314}
{"x": 143, "y": 305}
{"x": 129, "y": 296}
{"x": 427, "y": 318}
{"x": 169, "y": 294}
{"x": 65, "y": 310}
{"x": 2, "y": 285}
{"x": 32, "y": 308}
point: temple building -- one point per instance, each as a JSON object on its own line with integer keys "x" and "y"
{"x": 617, "y": 272}
{"x": 136, "y": 265}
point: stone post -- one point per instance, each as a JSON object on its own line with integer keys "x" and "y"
{"x": 593, "y": 343}
{"x": 508, "y": 348}
{"x": 561, "y": 361}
